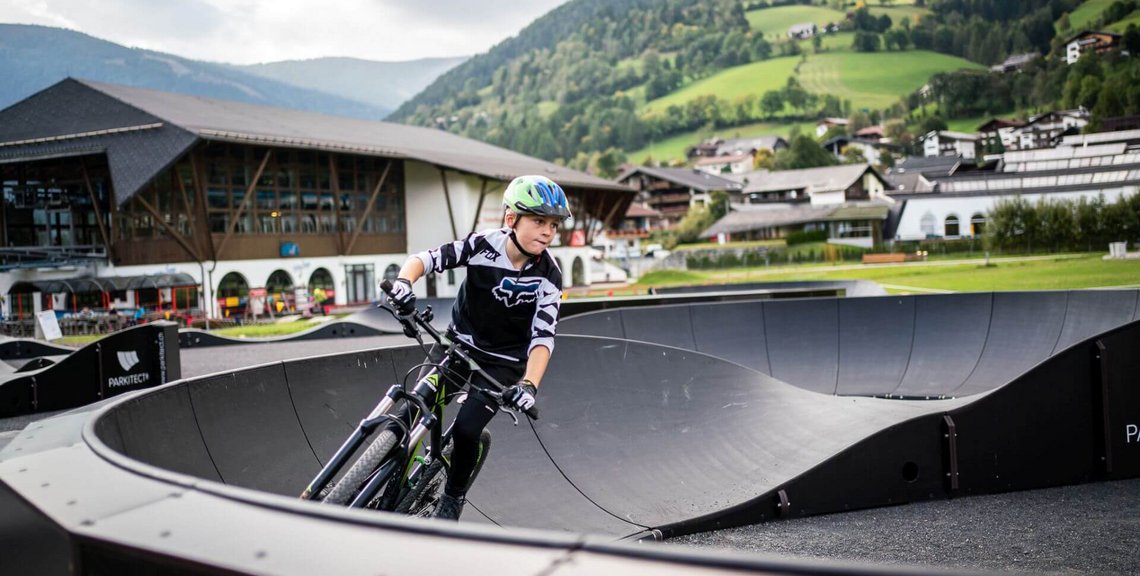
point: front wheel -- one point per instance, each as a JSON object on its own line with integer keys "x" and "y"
{"x": 427, "y": 487}
{"x": 349, "y": 485}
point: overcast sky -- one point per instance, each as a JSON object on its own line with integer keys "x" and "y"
{"x": 251, "y": 31}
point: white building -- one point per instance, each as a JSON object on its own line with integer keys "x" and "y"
{"x": 960, "y": 203}
{"x": 949, "y": 143}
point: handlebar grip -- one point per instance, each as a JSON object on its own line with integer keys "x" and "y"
{"x": 533, "y": 412}
{"x": 386, "y": 287}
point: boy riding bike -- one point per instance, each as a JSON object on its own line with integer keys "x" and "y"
{"x": 504, "y": 315}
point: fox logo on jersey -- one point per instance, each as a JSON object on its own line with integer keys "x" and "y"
{"x": 512, "y": 292}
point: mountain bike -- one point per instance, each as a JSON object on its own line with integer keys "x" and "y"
{"x": 399, "y": 471}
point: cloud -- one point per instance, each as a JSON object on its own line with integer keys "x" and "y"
{"x": 247, "y": 31}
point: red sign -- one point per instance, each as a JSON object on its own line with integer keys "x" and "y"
{"x": 578, "y": 238}
{"x": 257, "y": 292}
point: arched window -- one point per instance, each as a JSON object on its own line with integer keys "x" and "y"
{"x": 578, "y": 274}
{"x": 927, "y": 224}
{"x": 951, "y": 226}
{"x": 279, "y": 288}
{"x": 321, "y": 278}
{"x": 233, "y": 294}
{"x": 977, "y": 224}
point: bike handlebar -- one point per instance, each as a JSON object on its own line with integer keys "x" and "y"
{"x": 416, "y": 318}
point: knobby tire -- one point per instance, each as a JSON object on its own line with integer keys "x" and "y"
{"x": 349, "y": 485}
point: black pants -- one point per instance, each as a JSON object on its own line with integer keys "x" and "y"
{"x": 476, "y": 412}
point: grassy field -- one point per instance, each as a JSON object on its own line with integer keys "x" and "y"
{"x": 1049, "y": 273}
{"x": 900, "y": 13}
{"x": 755, "y": 78}
{"x": 1121, "y": 26}
{"x": 1088, "y": 11}
{"x": 674, "y": 147}
{"x": 774, "y": 22}
{"x": 864, "y": 78}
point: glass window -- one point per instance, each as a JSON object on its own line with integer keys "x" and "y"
{"x": 951, "y": 226}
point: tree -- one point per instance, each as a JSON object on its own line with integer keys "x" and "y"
{"x": 853, "y": 155}
{"x": 772, "y": 103}
{"x": 866, "y": 41}
{"x": 803, "y": 153}
{"x": 858, "y": 121}
{"x": 933, "y": 123}
{"x": 1089, "y": 92}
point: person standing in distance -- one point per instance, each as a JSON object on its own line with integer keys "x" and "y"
{"x": 504, "y": 314}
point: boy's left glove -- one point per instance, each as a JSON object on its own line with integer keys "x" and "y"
{"x": 520, "y": 396}
{"x": 403, "y": 298}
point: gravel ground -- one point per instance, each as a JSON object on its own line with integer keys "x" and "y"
{"x": 1085, "y": 529}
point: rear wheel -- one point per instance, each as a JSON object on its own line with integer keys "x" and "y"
{"x": 427, "y": 488}
{"x": 349, "y": 486}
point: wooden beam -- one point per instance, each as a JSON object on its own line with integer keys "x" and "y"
{"x": 205, "y": 237}
{"x": 97, "y": 206}
{"x": 447, "y": 197}
{"x": 368, "y": 208}
{"x": 479, "y": 206}
{"x": 190, "y": 216}
{"x": 244, "y": 200}
{"x": 171, "y": 231}
{"x": 336, "y": 204}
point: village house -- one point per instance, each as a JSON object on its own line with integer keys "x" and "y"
{"x": 1090, "y": 41}
{"x": 1015, "y": 63}
{"x": 826, "y": 124}
{"x": 949, "y": 143}
{"x": 848, "y": 202}
{"x": 1045, "y": 130}
{"x": 802, "y": 31}
{"x": 727, "y": 164}
{"x": 672, "y": 191}
{"x": 999, "y": 135}
{"x": 873, "y": 150}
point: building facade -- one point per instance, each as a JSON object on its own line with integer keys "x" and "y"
{"x": 260, "y": 206}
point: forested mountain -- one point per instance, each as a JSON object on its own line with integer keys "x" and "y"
{"x": 382, "y": 84}
{"x": 35, "y": 57}
{"x": 593, "y": 79}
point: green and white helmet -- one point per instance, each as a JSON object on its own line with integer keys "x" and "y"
{"x": 537, "y": 195}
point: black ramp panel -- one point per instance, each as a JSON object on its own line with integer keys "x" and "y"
{"x": 668, "y": 325}
{"x": 733, "y": 331}
{"x": 519, "y": 486}
{"x": 601, "y": 323}
{"x": 251, "y": 430}
{"x": 332, "y": 394}
{"x": 160, "y": 429}
{"x": 949, "y": 336}
{"x": 661, "y": 435}
{"x": 1024, "y": 329}
{"x": 1093, "y": 312}
{"x": 875, "y": 337}
{"x": 1036, "y": 431}
{"x": 802, "y": 340}
{"x": 1120, "y": 366}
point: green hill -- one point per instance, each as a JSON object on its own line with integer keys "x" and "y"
{"x": 755, "y": 78}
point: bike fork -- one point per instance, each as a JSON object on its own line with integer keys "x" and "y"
{"x": 363, "y": 431}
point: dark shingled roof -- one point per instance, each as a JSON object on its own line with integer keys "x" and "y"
{"x": 144, "y": 131}
{"x": 688, "y": 177}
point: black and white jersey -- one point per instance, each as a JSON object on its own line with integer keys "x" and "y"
{"x": 500, "y": 311}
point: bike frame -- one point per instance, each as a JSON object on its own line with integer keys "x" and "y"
{"x": 428, "y": 397}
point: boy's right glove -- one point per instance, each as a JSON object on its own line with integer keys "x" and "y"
{"x": 403, "y": 299}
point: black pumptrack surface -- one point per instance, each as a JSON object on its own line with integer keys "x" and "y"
{"x": 1025, "y": 390}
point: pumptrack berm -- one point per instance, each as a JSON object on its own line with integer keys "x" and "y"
{"x": 677, "y": 419}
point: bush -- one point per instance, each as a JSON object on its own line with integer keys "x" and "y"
{"x": 806, "y": 237}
